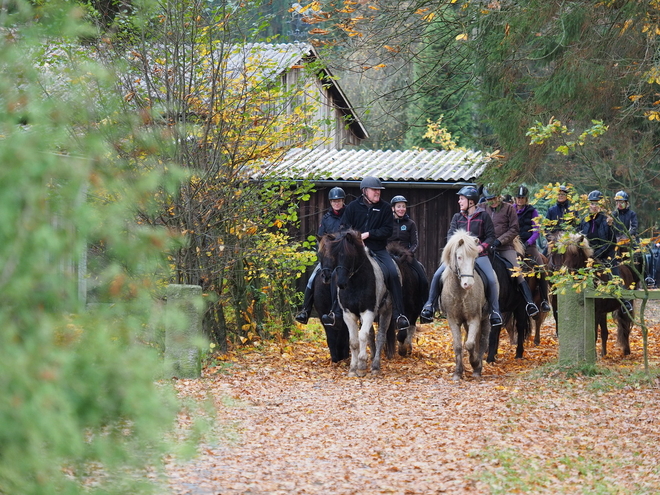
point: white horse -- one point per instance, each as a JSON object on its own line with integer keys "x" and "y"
{"x": 463, "y": 300}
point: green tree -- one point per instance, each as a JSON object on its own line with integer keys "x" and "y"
{"x": 80, "y": 412}
{"x": 230, "y": 113}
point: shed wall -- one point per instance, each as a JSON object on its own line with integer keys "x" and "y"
{"x": 431, "y": 209}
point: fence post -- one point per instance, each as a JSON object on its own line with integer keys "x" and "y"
{"x": 183, "y": 331}
{"x": 577, "y": 341}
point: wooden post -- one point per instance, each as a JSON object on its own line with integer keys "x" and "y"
{"x": 183, "y": 332}
{"x": 577, "y": 341}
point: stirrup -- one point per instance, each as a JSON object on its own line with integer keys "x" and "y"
{"x": 302, "y": 317}
{"x": 329, "y": 319}
{"x": 495, "y": 319}
{"x": 628, "y": 305}
{"x": 426, "y": 316}
{"x": 531, "y": 310}
{"x": 402, "y": 323}
{"x": 545, "y": 306}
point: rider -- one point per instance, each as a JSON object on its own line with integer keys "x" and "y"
{"x": 477, "y": 222}
{"x": 505, "y": 223}
{"x": 405, "y": 228}
{"x": 625, "y": 220}
{"x": 372, "y": 216}
{"x": 529, "y": 232}
{"x": 560, "y": 213}
{"x": 596, "y": 227}
{"x": 329, "y": 225}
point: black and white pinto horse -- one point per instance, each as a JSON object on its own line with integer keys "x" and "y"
{"x": 364, "y": 297}
{"x": 512, "y": 305}
{"x": 463, "y": 299}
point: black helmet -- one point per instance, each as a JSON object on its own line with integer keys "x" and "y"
{"x": 523, "y": 192}
{"x": 488, "y": 193}
{"x": 336, "y": 193}
{"x": 371, "y": 182}
{"x": 621, "y": 196}
{"x": 595, "y": 195}
{"x": 398, "y": 199}
{"x": 470, "y": 192}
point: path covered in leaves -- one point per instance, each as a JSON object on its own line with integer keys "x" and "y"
{"x": 290, "y": 422}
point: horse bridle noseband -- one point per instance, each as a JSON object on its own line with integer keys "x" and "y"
{"x": 459, "y": 274}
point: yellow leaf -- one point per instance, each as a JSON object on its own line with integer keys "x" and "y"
{"x": 462, "y": 37}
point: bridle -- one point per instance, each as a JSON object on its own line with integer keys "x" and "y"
{"x": 457, "y": 271}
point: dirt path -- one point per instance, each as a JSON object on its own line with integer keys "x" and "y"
{"x": 289, "y": 422}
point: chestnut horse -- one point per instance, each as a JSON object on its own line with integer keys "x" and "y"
{"x": 573, "y": 252}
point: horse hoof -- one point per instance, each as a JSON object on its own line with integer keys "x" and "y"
{"x": 352, "y": 374}
{"x": 456, "y": 377}
{"x": 375, "y": 372}
{"x": 476, "y": 374}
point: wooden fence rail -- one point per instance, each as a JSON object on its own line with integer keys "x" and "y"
{"x": 577, "y": 323}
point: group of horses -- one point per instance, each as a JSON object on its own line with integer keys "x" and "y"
{"x": 364, "y": 297}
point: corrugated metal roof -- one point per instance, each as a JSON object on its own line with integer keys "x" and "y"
{"x": 411, "y": 165}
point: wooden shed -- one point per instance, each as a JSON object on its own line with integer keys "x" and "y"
{"x": 429, "y": 180}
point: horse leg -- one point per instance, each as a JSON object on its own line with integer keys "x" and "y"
{"x": 522, "y": 326}
{"x": 363, "y": 339}
{"x": 473, "y": 347}
{"x": 354, "y": 342}
{"x": 624, "y": 326}
{"x": 405, "y": 347}
{"x": 385, "y": 327}
{"x": 457, "y": 337}
{"x": 601, "y": 321}
{"x": 332, "y": 338}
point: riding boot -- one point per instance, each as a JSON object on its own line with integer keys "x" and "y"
{"x": 303, "y": 316}
{"x": 543, "y": 289}
{"x": 531, "y": 308}
{"x": 492, "y": 294}
{"x": 426, "y": 316}
{"x": 330, "y": 318}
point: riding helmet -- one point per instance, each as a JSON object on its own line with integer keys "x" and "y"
{"x": 470, "y": 192}
{"x": 621, "y": 196}
{"x": 563, "y": 189}
{"x": 336, "y": 193}
{"x": 487, "y": 192}
{"x": 398, "y": 199}
{"x": 371, "y": 182}
{"x": 595, "y": 195}
{"x": 523, "y": 192}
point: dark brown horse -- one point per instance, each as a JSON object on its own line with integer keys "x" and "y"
{"x": 572, "y": 251}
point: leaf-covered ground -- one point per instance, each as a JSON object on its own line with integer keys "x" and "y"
{"x": 290, "y": 422}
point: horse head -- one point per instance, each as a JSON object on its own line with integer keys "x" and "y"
{"x": 569, "y": 250}
{"x": 460, "y": 255}
{"x": 326, "y": 257}
{"x": 349, "y": 252}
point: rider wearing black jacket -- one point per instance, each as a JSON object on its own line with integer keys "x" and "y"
{"x": 372, "y": 217}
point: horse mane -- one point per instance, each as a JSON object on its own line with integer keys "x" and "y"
{"x": 459, "y": 238}
{"x": 397, "y": 250}
{"x": 573, "y": 243}
{"x": 347, "y": 241}
{"x": 519, "y": 246}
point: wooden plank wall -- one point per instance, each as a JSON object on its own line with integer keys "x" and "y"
{"x": 431, "y": 209}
